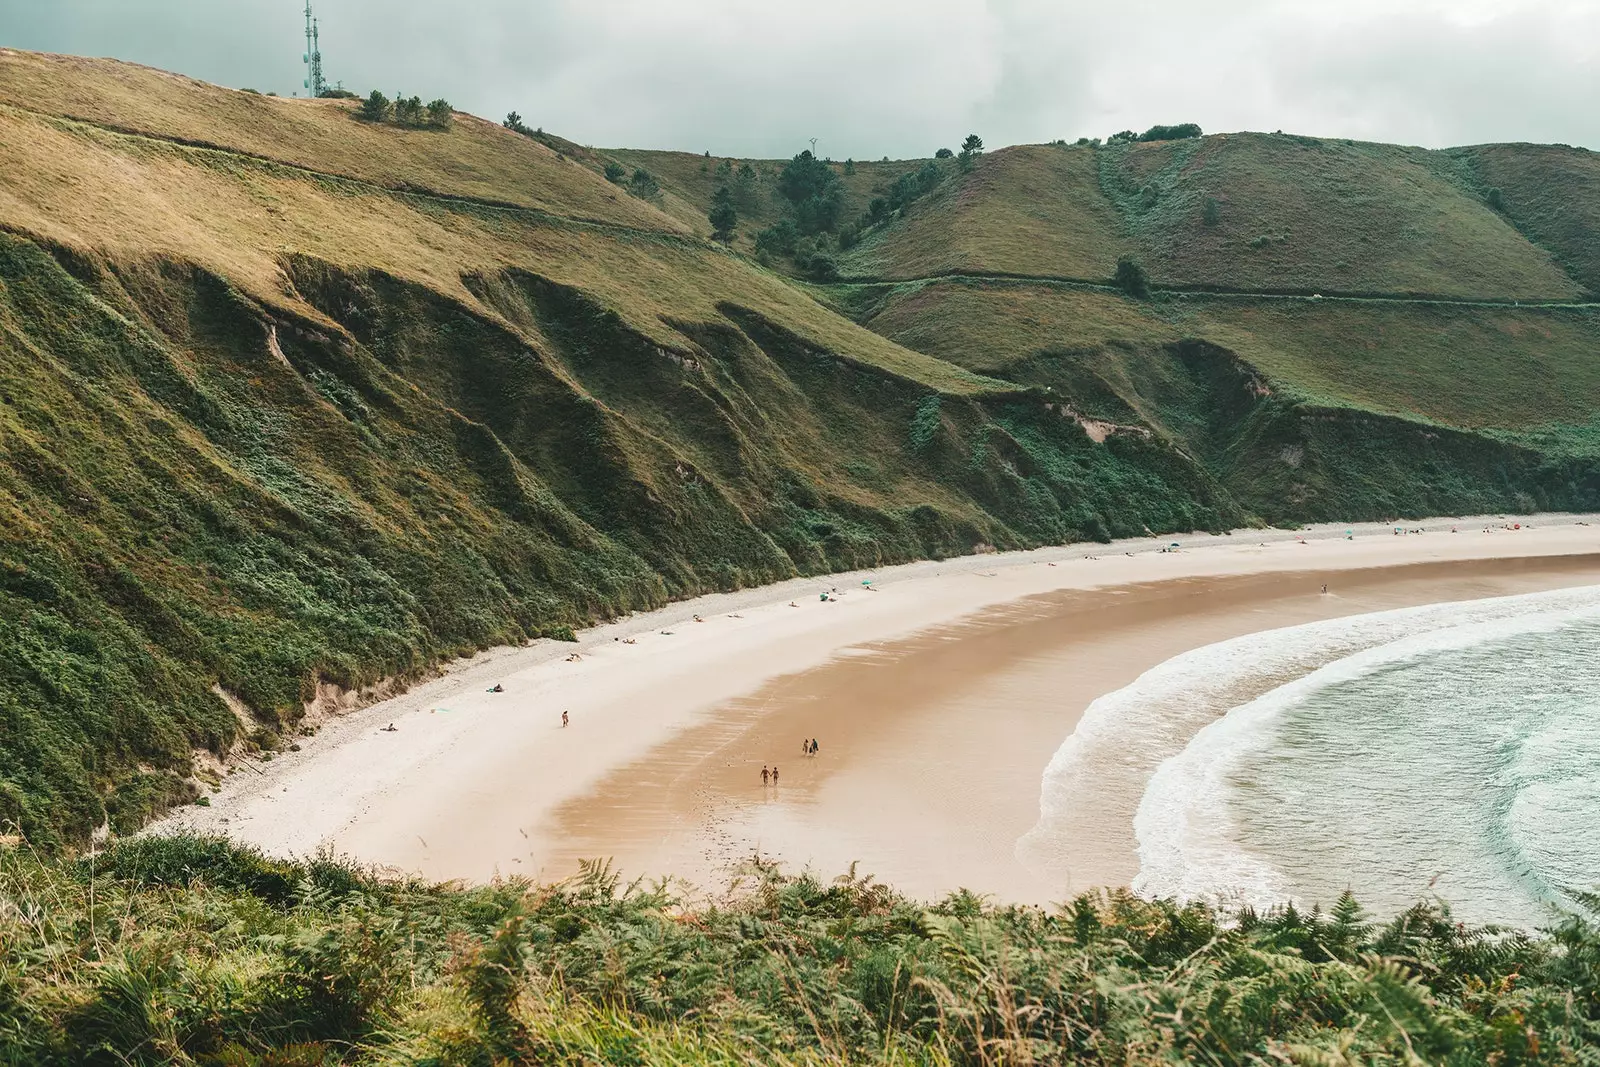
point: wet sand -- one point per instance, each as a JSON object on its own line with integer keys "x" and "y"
{"x": 938, "y": 700}
{"x": 931, "y": 748}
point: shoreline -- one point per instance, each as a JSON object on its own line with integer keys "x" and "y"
{"x": 474, "y": 784}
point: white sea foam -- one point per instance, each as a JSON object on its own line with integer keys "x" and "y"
{"x": 1167, "y": 750}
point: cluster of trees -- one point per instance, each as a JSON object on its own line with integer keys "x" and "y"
{"x": 813, "y": 227}
{"x": 1180, "y": 132}
{"x": 641, "y": 183}
{"x": 405, "y": 111}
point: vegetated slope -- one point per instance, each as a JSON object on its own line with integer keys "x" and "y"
{"x": 689, "y": 181}
{"x": 189, "y": 951}
{"x": 265, "y": 429}
{"x": 1286, "y": 214}
{"x": 475, "y": 158}
{"x": 1384, "y": 407}
{"x": 1552, "y": 194}
{"x": 1032, "y": 209}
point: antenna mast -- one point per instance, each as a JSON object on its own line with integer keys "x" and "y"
{"x": 314, "y": 82}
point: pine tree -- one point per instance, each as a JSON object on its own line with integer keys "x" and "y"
{"x": 724, "y": 219}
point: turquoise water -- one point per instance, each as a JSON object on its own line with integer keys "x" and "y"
{"x": 1451, "y": 751}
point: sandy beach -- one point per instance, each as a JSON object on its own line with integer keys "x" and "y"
{"x": 938, "y": 694}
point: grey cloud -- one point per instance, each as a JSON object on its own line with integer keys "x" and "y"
{"x": 896, "y": 77}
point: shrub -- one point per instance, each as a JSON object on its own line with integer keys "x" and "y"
{"x": 925, "y": 421}
{"x": 1211, "y": 213}
{"x": 943, "y": 153}
{"x": 1131, "y": 277}
{"x": 615, "y": 172}
{"x": 513, "y": 123}
{"x": 1496, "y": 199}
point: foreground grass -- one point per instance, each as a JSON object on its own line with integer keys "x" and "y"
{"x": 193, "y": 951}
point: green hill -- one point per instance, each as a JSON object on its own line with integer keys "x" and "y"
{"x": 289, "y": 399}
{"x": 1288, "y": 213}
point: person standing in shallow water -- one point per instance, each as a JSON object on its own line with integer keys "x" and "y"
{"x": 765, "y": 774}
{"x": 774, "y": 774}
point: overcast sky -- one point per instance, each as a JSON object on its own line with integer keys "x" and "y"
{"x": 898, "y": 77}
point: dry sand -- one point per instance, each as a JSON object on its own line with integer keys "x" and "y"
{"x": 938, "y": 700}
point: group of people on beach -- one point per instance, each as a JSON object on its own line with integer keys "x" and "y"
{"x": 809, "y": 746}
{"x": 769, "y": 777}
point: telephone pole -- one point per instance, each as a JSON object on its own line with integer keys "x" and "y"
{"x": 313, "y": 57}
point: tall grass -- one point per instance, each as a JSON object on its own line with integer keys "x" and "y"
{"x": 195, "y": 951}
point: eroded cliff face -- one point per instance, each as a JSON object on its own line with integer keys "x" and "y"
{"x": 201, "y": 490}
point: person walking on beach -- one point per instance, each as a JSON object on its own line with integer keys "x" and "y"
{"x": 563, "y": 720}
{"x": 765, "y": 774}
{"x": 814, "y": 746}
{"x": 774, "y": 775}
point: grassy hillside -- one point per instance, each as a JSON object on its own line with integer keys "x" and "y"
{"x": 1288, "y": 214}
{"x": 266, "y": 428}
{"x": 1033, "y": 209}
{"x": 475, "y": 158}
{"x": 189, "y": 951}
{"x": 1292, "y": 401}
{"x": 689, "y": 181}
{"x": 1552, "y": 194}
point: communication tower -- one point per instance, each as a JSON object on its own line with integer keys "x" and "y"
{"x": 314, "y": 82}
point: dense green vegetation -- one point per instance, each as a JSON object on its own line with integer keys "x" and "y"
{"x": 191, "y": 951}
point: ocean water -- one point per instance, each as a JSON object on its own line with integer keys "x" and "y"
{"x": 1448, "y": 751}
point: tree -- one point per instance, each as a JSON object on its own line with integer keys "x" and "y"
{"x": 849, "y": 166}
{"x": 943, "y": 153}
{"x": 513, "y": 122}
{"x": 408, "y": 110}
{"x": 813, "y": 191}
{"x": 971, "y": 149}
{"x": 1497, "y": 200}
{"x": 1211, "y": 213}
{"x": 643, "y": 184}
{"x": 724, "y": 219}
{"x": 440, "y": 114}
{"x": 615, "y": 172}
{"x": 1171, "y": 133}
{"x": 375, "y": 108}
{"x": 1131, "y": 277}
